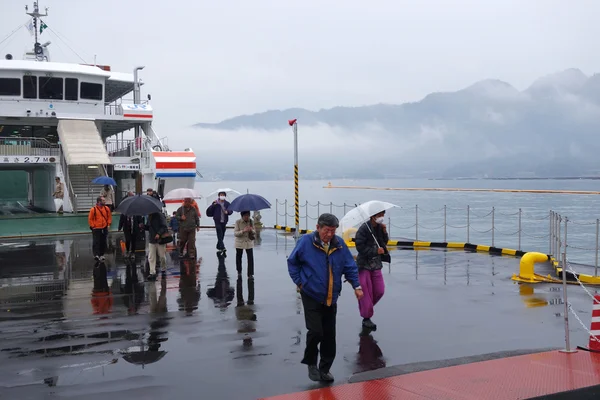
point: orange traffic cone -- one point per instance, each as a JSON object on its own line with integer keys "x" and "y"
{"x": 595, "y": 326}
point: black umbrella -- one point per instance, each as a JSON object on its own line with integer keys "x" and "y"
{"x": 142, "y": 204}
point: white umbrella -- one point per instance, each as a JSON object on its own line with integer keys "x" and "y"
{"x": 226, "y": 190}
{"x": 362, "y": 213}
{"x": 182, "y": 193}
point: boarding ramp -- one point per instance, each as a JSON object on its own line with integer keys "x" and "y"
{"x": 85, "y": 156}
{"x": 81, "y": 142}
{"x": 86, "y": 193}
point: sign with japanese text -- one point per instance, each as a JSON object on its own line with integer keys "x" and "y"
{"x": 28, "y": 160}
{"x": 126, "y": 167}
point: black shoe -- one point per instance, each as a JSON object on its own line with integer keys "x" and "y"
{"x": 151, "y": 278}
{"x": 313, "y": 373}
{"x": 367, "y": 323}
{"x": 96, "y": 258}
{"x": 326, "y": 377}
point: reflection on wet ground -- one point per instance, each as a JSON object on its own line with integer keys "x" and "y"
{"x": 72, "y": 327}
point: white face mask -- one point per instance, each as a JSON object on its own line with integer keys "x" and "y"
{"x": 221, "y": 197}
{"x": 379, "y": 220}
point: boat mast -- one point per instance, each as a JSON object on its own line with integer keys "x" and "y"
{"x": 35, "y": 15}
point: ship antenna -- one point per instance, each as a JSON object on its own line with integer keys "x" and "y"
{"x": 35, "y": 15}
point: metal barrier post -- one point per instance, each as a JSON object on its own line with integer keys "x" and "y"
{"x": 597, "y": 231}
{"x": 468, "y": 224}
{"x": 445, "y": 223}
{"x": 558, "y": 240}
{"x": 318, "y": 209}
{"x": 286, "y": 213}
{"x": 344, "y": 208}
{"x": 567, "y": 348}
{"x": 306, "y": 216}
{"x": 565, "y": 242}
{"x": 493, "y": 224}
{"x": 389, "y": 227}
{"x": 331, "y": 207}
{"x": 276, "y": 211}
{"x": 520, "y": 215}
{"x": 551, "y": 233}
{"x": 417, "y": 222}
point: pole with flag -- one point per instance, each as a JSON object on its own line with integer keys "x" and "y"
{"x": 30, "y": 27}
{"x": 294, "y": 124}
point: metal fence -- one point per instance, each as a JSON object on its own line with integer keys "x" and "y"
{"x": 528, "y": 230}
{"x": 28, "y": 147}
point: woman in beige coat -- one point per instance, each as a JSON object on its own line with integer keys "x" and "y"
{"x": 244, "y": 240}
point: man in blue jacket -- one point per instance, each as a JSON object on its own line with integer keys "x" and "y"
{"x": 316, "y": 266}
{"x": 219, "y": 211}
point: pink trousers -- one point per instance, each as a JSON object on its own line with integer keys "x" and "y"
{"x": 373, "y": 289}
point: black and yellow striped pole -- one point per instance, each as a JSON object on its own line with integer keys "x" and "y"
{"x": 294, "y": 124}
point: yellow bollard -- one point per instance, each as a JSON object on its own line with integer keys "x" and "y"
{"x": 526, "y": 270}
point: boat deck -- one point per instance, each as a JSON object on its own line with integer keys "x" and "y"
{"x": 199, "y": 335}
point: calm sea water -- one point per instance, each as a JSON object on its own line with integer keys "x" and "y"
{"x": 421, "y": 213}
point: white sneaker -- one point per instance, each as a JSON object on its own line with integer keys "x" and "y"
{"x": 102, "y": 258}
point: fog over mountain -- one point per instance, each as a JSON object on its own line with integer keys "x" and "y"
{"x": 487, "y": 129}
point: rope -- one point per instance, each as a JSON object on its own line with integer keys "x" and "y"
{"x": 480, "y": 216}
{"x": 12, "y": 33}
{"x": 66, "y": 44}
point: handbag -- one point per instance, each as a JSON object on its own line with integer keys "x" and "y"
{"x": 165, "y": 238}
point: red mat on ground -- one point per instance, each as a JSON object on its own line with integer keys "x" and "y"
{"x": 518, "y": 377}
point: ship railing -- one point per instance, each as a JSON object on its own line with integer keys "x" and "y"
{"x": 154, "y": 141}
{"x": 120, "y": 147}
{"x": 71, "y": 192}
{"x": 20, "y": 146}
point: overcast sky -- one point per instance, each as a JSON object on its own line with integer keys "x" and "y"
{"x": 210, "y": 60}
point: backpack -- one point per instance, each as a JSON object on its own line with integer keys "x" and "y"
{"x": 210, "y": 211}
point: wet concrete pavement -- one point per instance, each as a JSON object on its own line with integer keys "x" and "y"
{"x": 70, "y": 329}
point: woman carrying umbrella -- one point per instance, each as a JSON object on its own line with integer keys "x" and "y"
{"x": 244, "y": 229}
{"x": 244, "y": 240}
{"x": 371, "y": 239}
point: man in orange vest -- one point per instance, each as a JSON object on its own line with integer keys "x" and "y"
{"x": 99, "y": 219}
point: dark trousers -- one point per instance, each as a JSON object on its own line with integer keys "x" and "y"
{"x": 320, "y": 323}
{"x": 130, "y": 241}
{"x": 98, "y": 242}
{"x": 188, "y": 238}
{"x": 238, "y": 260}
{"x": 220, "y": 227}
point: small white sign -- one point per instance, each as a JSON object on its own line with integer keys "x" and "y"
{"x": 28, "y": 160}
{"x": 126, "y": 167}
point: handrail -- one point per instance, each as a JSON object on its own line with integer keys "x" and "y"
{"x": 153, "y": 137}
{"x": 72, "y": 194}
{"x": 27, "y": 146}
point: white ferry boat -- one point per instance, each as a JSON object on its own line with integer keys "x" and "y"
{"x": 71, "y": 121}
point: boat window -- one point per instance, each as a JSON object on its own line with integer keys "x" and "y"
{"x": 23, "y": 134}
{"x": 71, "y": 86}
{"x": 51, "y": 88}
{"x": 91, "y": 91}
{"x": 10, "y": 86}
{"x": 30, "y": 87}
